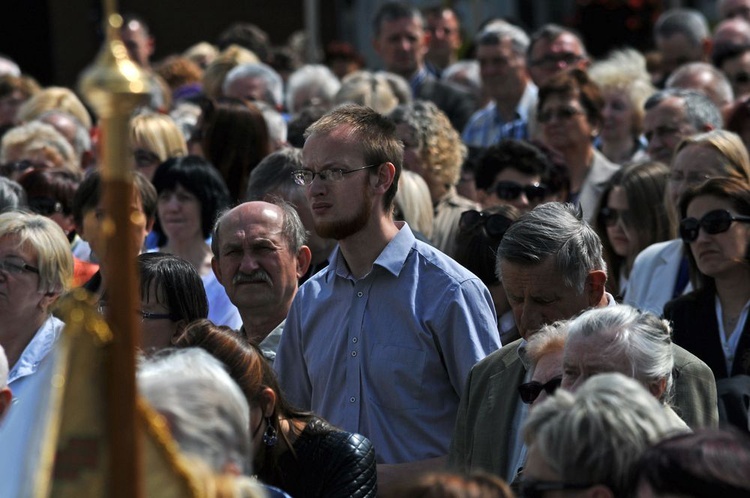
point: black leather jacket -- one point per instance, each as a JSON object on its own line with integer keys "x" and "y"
{"x": 329, "y": 463}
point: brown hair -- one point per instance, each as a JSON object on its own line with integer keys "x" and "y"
{"x": 448, "y": 485}
{"x": 577, "y": 84}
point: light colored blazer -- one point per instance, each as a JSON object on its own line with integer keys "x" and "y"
{"x": 653, "y": 276}
{"x": 591, "y": 190}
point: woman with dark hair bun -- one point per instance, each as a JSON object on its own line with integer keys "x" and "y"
{"x": 191, "y": 196}
{"x": 294, "y": 450}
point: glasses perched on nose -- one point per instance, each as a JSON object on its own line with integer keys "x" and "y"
{"x": 306, "y": 176}
{"x": 532, "y": 488}
{"x": 494, "y": 224}
{"x": 562, "y": 114}
{"x": 551, "y": 61}
{"x": 510, "y": 191}
{"x": 530, "y": 391}
{"x": 609, "y": 216}
{"x": 713, "y": 222}
{"x": 16, "y": 266}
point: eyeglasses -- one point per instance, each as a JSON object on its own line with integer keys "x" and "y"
{"x": 494, "y": 224}
{"x": 510, "y": 191}
{"x": 147, "y": 315}
{"x": 562, "y": 114}
{"x": 551, "y": 61}
{"x": 145, "y": 158}
{"x": 306, "y": 176}
{"x": 713, "y": 222}
{"x": 531, "y": 488}
{"x": 530, "y": 391}
{"x": 45, "y": 206}
{"x": 16, "y": 266}
{"x": 610, "y": 216}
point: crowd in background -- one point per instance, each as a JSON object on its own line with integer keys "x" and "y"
{"x": 401, "y": 279}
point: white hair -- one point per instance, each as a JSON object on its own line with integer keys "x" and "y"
{"x": 317, "y": 81}
{"x": 597, "y": 434}
{"x": 207, "y": 411}
{"x": 274, "y": 84}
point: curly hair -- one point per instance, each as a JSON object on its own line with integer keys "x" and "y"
{"x": 440, "y": 144}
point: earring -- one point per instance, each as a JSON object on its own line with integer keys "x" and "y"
{"x": 270, "y": 437}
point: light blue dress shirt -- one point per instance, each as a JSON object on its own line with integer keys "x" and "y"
{"x": 387, "y": 355}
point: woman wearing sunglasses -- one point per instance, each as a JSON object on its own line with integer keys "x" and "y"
{"x": 632, "y": 216}
{"x": 712, "y": 322}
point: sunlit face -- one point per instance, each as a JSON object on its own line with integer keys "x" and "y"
{"x": 340, "y": 209}
{"x": 722, "y": 254}
{"x": 401, "y": 45}
{"x": 503, "y": 71}
{"x": 255, "y": 264}
{"x": 539, "y": 296}
{"x": 547, "y": 58}
{"x": 249, "y": 88}
{"x": 179, "y": 212}
{"x": 618, "y": 117}
{"x": 583, "y": 359}
{"x": 693, "y": 165}
{"x": 568, "y": 126}
{"x": 664, "y": 126}
{"x": 96, "y": 225}
{"x": 621, "y": 237}
{"x": 20, "y": 296}
{"x": 677, "y": 50}
{"x": 547, "y": 368}
{"x": 157, "y": 332}
{"x": 445, "y": 34}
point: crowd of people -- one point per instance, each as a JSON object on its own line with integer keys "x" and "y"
{"x": 494, "y": 268}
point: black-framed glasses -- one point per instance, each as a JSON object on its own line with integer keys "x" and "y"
{"x": 530, "y": 391}
{"x": 713, "y": 222}
{"x": 532, "y": 488}
{"x": 510, "y": 191}
{"x": 45, "y": 206}
{"x": 610, "y": 216}
{"x": 306, "y": 176}
{"x": 561, "y": 113}
{"x": 494, "y": 224}
{"x": 147, "y": 315}
{"x": 15, "y": 266}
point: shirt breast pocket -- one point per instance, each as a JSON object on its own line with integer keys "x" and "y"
{"x": 398, "y": 373}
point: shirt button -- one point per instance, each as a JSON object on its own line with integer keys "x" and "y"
{"x": 354, "y": 340}
{"x": 354, "y": 353}
{"x": 360, "y": 294}
{"x": 352, "y": 399}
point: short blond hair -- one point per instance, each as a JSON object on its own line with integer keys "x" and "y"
{"x": 414, "y": 202}
{"x": 217, "y": 70}
{"x": 54, "y": 98}
{"x": 37, "y": 136}
{"x": 157, "y": 133}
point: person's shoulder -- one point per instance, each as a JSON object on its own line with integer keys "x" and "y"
{"x": 437, "y": 264}
{"x": 686, "y": 303}
{"x": 498, "y": 360}
{"x": 657, "y": 250}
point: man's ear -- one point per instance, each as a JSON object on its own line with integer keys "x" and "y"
{"x": 595, "y": 287}
{"x": 385, "y": 177}
{"x": 217, "y": 269}
{"x": 150, "y": 223}
{"x": 376, "y": 45}
{"x": 657, "y": 388}
{"x": 304, "y": 257}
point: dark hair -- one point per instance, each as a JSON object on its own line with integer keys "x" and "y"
{"x": 644, "y": 185}
{"x": 514, "y": 154}
{"x": 577, "y": 84}
{"x": 449, "y": 485}
{"x": 551, "y": 32}
{"x": 295, "y": 133}
{"x": 246, "y": 35}
{"x": 738, "y": 116}
{"x": 235, "y": 139}
{"x": 392, "y": 11}
{"x": 274, "y": 173}
{"x": 200, "y": 178}
{"x": 177, "y": 285}
{"x": 702, "y": 464}
{"x": 734, "y": 190}
{"x": 90, "y": 190}
{"x": 248, "y": 367}
{"x": 57, "y": 184}
{"x": 476, "y": 250}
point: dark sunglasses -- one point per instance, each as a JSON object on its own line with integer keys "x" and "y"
{"x": 530, "y": 391}
{"x": 563, "y": 114}
{"x": 494, "y": 224}
{"x": 531, "y": 488}
{"x": 609, "y": 216}
{"x": 509, "y": 191}
{"x": 46, "y": 206}
{"x": 713, "y": 222}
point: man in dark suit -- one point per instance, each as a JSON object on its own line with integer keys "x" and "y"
{"x": 401, "y": 42}
{"x": 551, "y": 266}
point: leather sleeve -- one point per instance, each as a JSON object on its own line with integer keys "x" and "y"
{"x": 351, "y": 461}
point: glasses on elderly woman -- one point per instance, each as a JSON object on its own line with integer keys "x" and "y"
{"x": 713, "y": 222}
{"x": 15, "y": 266}
{"x": 494, "y": 224}
{"x": 530, "y": 391}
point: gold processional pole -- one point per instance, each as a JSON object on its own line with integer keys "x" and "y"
{"x": 114, "y": 86}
